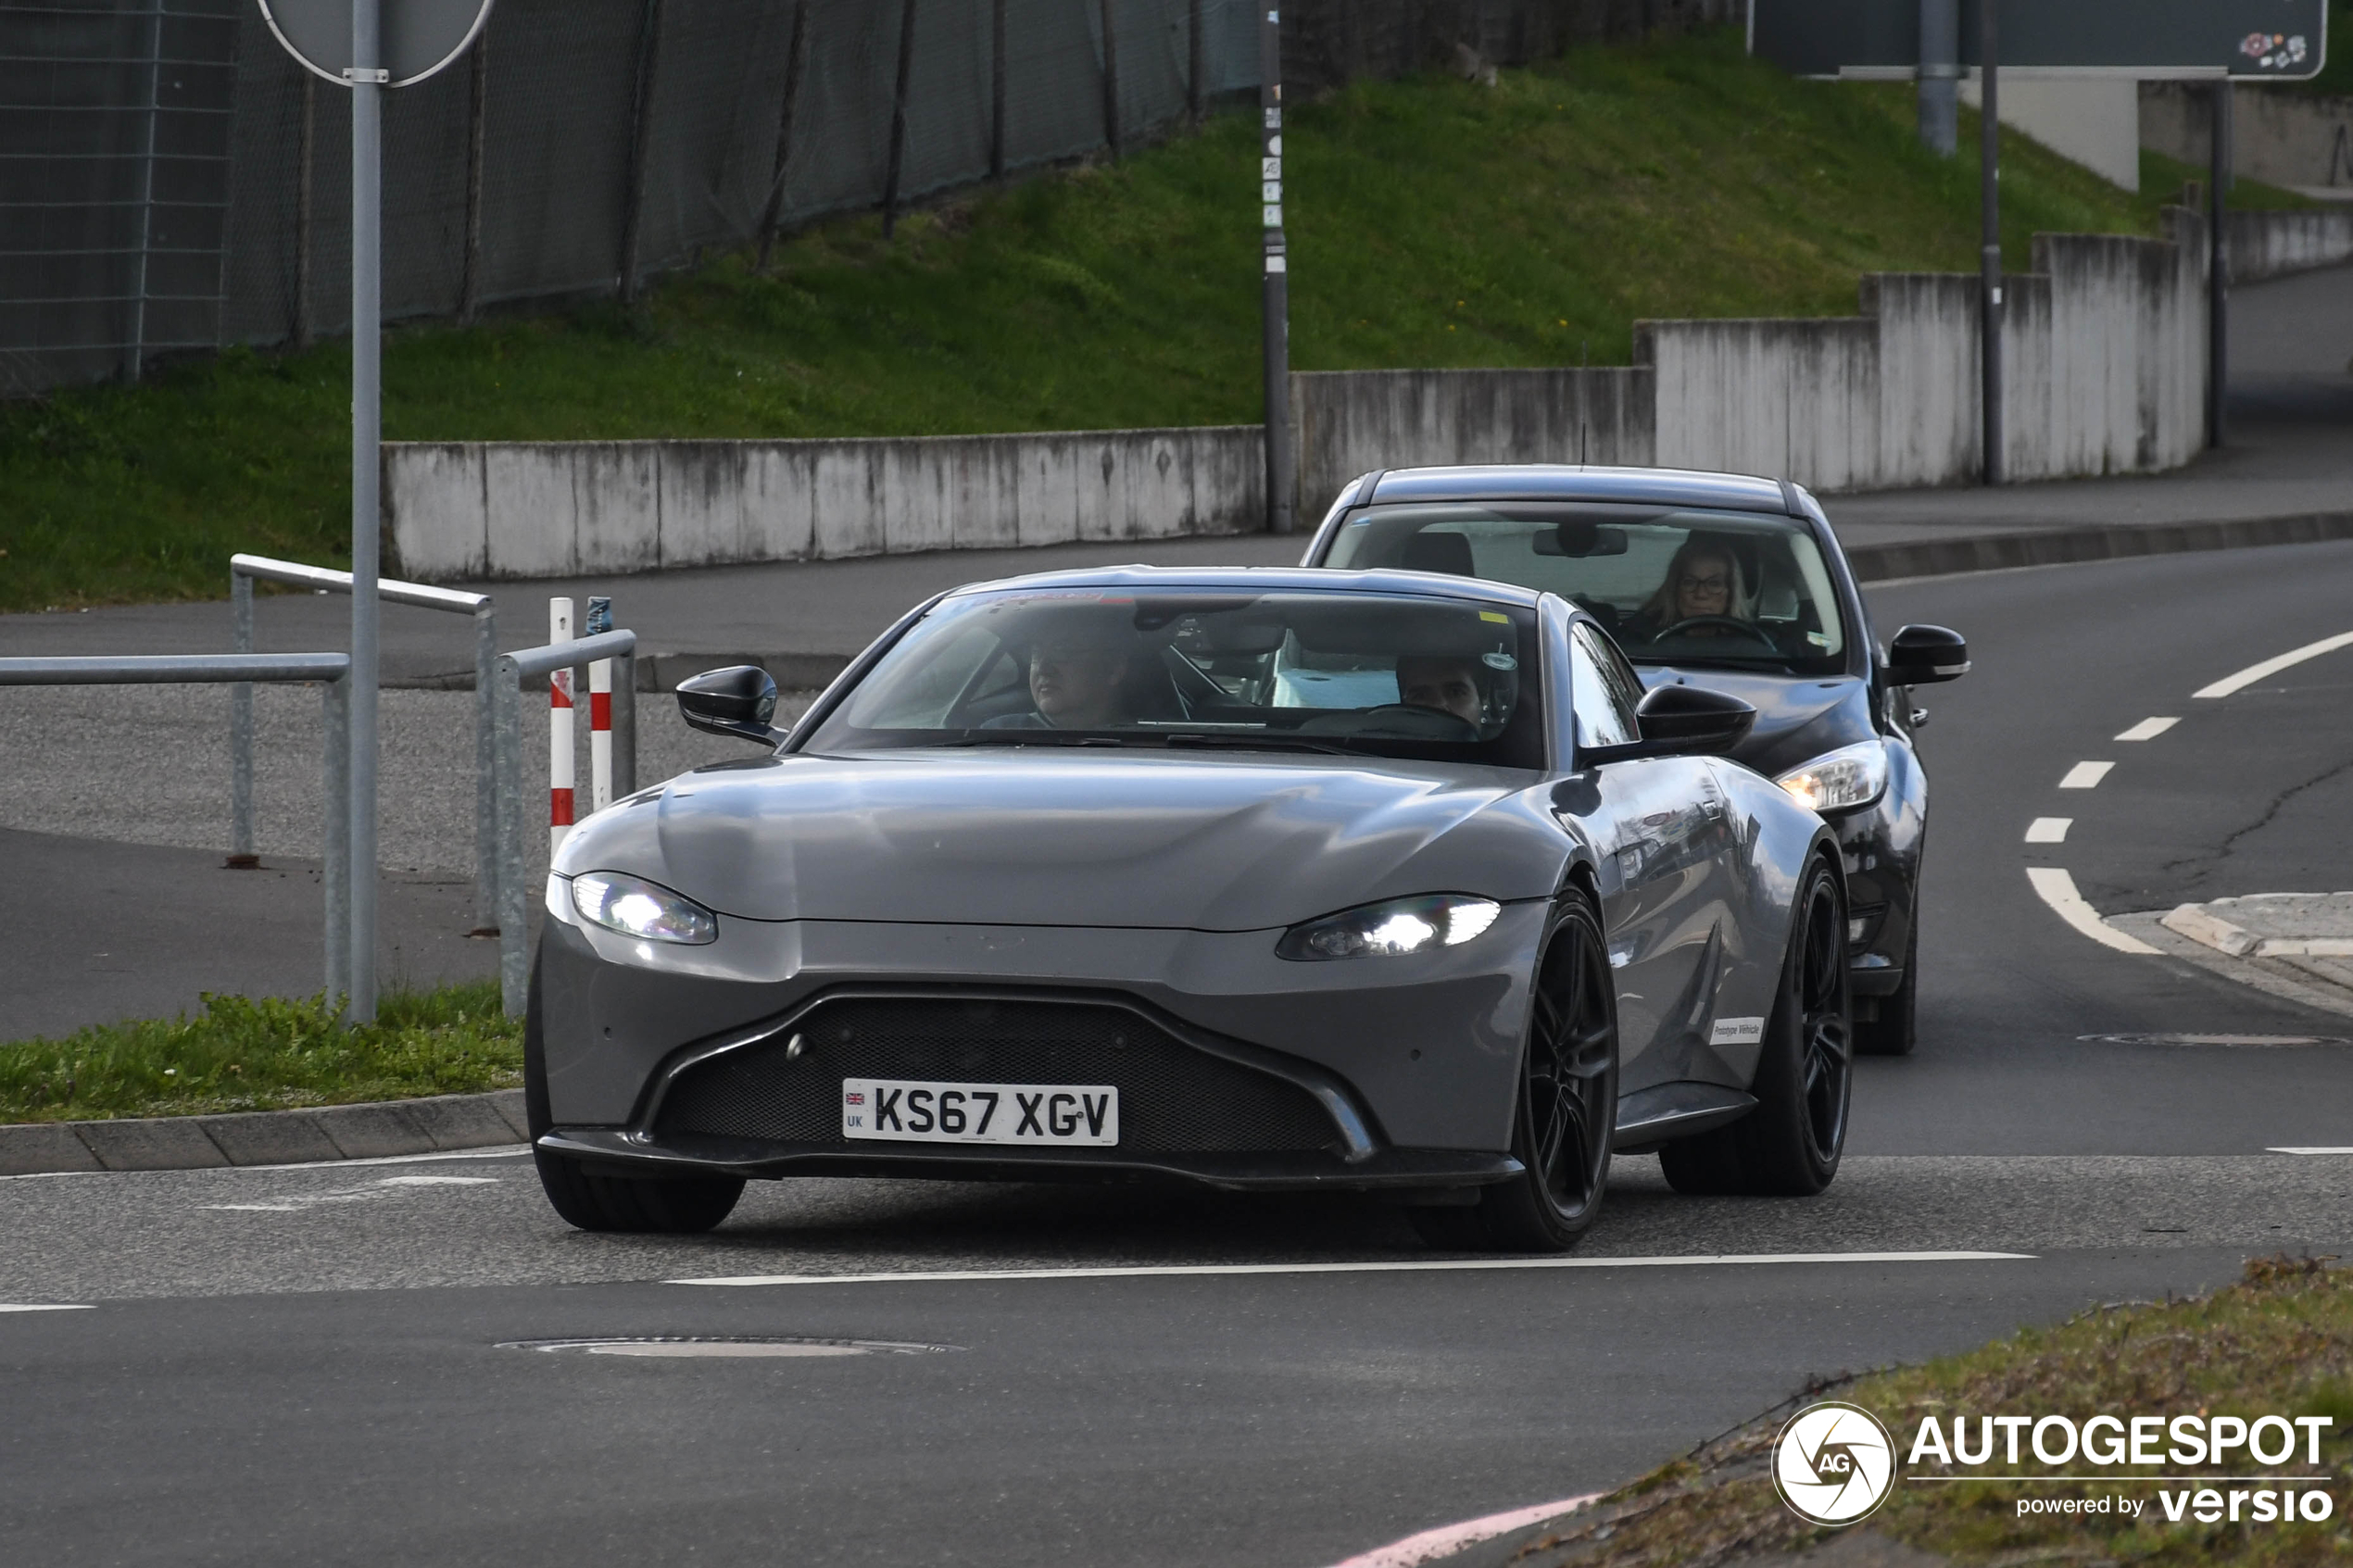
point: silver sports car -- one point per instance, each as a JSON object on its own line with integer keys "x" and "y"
{"x": 1268, "y": 879}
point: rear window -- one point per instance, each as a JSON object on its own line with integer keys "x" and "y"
{"x": 1673, "y": 585}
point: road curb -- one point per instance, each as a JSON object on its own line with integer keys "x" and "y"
{"x": 2063, "y": 546}
{"x": 265, "y": 1137}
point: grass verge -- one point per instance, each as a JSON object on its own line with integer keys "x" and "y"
{"x": 2279, "y": 1342}
{"x": 245, "y": 1055}
{"x": 1433, "y": 222}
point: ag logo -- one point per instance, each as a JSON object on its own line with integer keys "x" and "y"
{"x": 1833, "y": 1463}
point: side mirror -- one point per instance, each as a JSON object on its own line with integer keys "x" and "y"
{"x": 740, "y": 700}
{"x": 1922, "y": 655}
{"x": 1682, "y": 721}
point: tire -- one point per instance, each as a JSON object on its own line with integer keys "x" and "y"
{"x": 1566, "y": 1110}
{"x": 1790, "y": 1144}
{"x": 1895, "y": 1030}
{"x": 596, "y": 1202}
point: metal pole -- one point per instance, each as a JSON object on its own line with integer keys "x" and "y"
{"x": 241, "y": 851}
{"x": 367, "y": 432}
{"x": 640, "y": 123}
{"x": 1940, "y": 97}
{"x": 470, "y": 272}
{"x": 302, "y": 212}
{"x": 1194, "y": 103}
{"x": 898, "y": 119}
{"x": 334, "y": 840}
{"x": 774, "y": 213}
{"x": 1110, "y": 78}
{"x": 485, "y": 772}
{"x": 997, "y": 90}
{"x": 1989, "y": 178}
{"x": 624, "y": 726}
{"x": 2218, "y": 270}
{"x": 514, "y": 959}
{"x": 1276, "y": 301}
{"x": 136, "y": 345}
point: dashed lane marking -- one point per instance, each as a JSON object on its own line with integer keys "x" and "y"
{"x": 44, "y": 1307}
{"x": 2300, "y": 1150}
{"x": 1414, "y": 1266}
{"x": 2273, "y": 666}
{"x": 2058, "y": 889}
{"x": 2048, "y": 830}
{"x": 2085, "y": 775}
{"x": 2148, "y": 729}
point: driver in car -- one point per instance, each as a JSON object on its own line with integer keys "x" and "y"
{"x": 1702, "y": 583}
{"x": 1449, "y": 685}
{"x": 1077, "y": 679}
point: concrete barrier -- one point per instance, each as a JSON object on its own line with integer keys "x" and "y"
{"x": 2271, "y": 244}
{"x": 478, "y": 509}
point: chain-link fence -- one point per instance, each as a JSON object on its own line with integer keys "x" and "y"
{"x": 171, "y": 180}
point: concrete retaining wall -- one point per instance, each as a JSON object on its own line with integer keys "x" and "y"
{"x": 2279, "y": 138}
{"x": 2269, "y": 245}
{"x": 475, "y": 509}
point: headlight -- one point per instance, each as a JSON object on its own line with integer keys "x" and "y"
{"x": 1853, "y": 775}
{"x": 635, "y": 907}
{"x": 1398, "y": 926}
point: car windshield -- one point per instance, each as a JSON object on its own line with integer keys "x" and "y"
{"x": 1673, "y": 585}
{"x": 1385, "y": 674}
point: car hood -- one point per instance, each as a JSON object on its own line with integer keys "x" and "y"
{"x": 1103, "y": 839}
{"x": 1798, "y": 716}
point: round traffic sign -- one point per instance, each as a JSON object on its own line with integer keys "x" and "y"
{"x": 414, "y": 38}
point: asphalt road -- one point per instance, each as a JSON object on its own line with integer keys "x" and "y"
{"x": 307, "y": 1366}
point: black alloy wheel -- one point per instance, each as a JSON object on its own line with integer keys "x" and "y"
{"x": 1790, "y": 1143}
{"x": 1567, "y": 1103}
{"x": 593, "y": 1201}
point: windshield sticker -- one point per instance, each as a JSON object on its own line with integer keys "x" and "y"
{"x": 1498, "y": 619}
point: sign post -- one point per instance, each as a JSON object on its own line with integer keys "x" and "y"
{"x": 1989, "y": 201}
{"x": 368, "y": 46}
{"x": 1275, "y": 302}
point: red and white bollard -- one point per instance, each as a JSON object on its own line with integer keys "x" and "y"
{"x": 599, "y": 711}
{"x": 560, "y": 763}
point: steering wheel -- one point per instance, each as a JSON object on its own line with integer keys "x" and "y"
{"x": 1732, "y": 624}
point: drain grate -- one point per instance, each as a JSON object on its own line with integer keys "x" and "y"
{"x": 697, "y": 1346}
{"x": 2255, "y": 1042}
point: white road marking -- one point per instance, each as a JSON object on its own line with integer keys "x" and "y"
{"x": 2085, "y": 775}
{"x": 253, "y": 1208}
{"x": 2254, "y": 672}
{"x": 2148, "y": 729}
{"x": 1416, "y": 1266}
{"x": 44, "y": 1307}
{"x": 436, "y": 1181}
{"x": 2309, "y": 1150}
{"x": 499, "y": 1151}
{"x": 1448, "y": 1539}
{"x": 2058, "y": 889}
{"x": 2048, "y": 830}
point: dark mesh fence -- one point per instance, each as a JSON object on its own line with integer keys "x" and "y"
{"x": 169, "y": 179}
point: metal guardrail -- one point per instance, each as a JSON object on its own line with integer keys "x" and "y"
{"x": 241, "y": 669}
{"x": 513, "y": 669}
{"x": 243, "y": 571}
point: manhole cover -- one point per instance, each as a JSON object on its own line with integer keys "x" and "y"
{"x": 2254, "y": 1041}
{"x": 693, "y": 1346}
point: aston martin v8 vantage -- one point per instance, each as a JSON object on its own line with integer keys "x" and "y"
{"x": 1264, "y": 879}
{"x": 1737, "y": 583}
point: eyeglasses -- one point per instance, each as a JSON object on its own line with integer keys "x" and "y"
{"x": 1707, "y": 585}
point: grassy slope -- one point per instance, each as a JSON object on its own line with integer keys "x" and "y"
{"x": 1434, "y": 223}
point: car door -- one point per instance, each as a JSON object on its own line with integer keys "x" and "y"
{"x": 1663, "y": 828}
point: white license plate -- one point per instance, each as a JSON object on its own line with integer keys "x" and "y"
{"x": 1039, "y": 1114}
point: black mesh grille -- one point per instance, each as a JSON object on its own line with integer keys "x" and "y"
{"x": 1172, "y": 1097}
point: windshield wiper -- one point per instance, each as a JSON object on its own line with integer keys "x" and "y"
{"x": 1259, "y": 742}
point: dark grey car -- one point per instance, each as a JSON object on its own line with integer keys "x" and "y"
{"x": 1784, "y": 629}
{"x": 1268, "y": 879}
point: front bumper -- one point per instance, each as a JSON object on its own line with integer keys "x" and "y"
{"x": 1424, "y": 1049}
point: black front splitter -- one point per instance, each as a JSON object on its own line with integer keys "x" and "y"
{"x": 623, "y": 1153}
